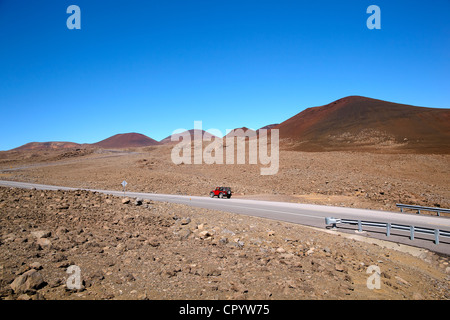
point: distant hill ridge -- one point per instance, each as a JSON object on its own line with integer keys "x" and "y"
{"x": 193, "y": 132}
{"x": 350, "y": 123}
{"x": 118, "y": 141}
{"x": 48, "y": 145}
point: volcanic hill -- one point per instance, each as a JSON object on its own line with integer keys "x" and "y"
{"x": 360, "y": 123}
{"x": 126, "y": 140}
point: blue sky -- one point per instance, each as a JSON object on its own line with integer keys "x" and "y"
{"x": 156, "y": 66}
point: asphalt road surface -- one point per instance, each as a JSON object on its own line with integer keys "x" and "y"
{"x": 304, "y": 214}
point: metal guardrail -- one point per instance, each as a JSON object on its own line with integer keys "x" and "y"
{"x": 390, "y": 226}
{"x": 420, "y": 208}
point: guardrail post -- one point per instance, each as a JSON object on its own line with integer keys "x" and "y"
{"x": 411, "y": 231}
{"x": 388, "y": 229}
{"x": 436, "y": 236}
{"x": 359, "y": 226}
{"x": 439, "y": 214}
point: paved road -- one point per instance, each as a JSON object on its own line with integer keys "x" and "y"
{"x": 304, "y": 214}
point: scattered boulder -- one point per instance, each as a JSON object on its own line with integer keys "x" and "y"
{"x": 9, "y": 237}
{"x": 226, "y": 231}
{"x": 205, "y": 234}
{"x": 341, "y": 268}
{"x": 402, "y": 281}
{"x": 129, "y": 277}
{"x": 211, "y": 271}
{"x": 30, "y": 280}
{"x": 236, "y": 244}
{"x": 41, "y": 234}
{"x": 44, "y": 243}
{"x": 280, "y": 250}
{"x": 185, "y": 221}
{"x": 36, "y": 266}
{"x": 153, "y": 241}
{"x": 184, "y": 233}
{"x": 287, "y": 256}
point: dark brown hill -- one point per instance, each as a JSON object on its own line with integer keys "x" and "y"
{"x": 126, "y": 140}
{"x": 360, "y": 123}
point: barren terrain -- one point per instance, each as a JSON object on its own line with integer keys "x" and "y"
{"x": 169, "y": 251}
{"x": 144, "y": 250}
{"x": 351, "y": 179}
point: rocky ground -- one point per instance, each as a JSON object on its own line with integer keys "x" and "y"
{"x": 129, "y": 249}
{"x": 350, "y": 179}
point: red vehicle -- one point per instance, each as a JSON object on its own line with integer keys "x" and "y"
{"x": 221, "y": 192}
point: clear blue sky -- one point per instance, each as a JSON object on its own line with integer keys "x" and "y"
{"x": 156, "y": 66}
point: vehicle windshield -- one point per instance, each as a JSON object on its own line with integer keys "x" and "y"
{"x": 223, "y": 188}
